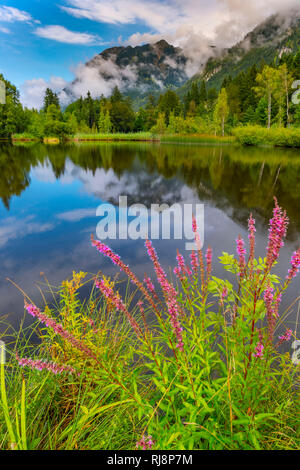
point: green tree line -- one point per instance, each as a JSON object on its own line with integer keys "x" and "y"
{"x": 260, "y": 95}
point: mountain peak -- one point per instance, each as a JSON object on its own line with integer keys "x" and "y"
{"x": 145, "y": 68}
{"x": 163, "y": 44}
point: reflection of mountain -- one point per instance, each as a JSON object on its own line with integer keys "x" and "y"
{"x": 232, "y": 179}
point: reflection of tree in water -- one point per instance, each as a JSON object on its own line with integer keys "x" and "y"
{"x": 57, "y": 156}
{"x": 15, "y": 166}
{"x": 238, "y": 180}
{"x": 233, "y": 179}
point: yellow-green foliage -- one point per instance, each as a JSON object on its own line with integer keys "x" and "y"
{"x": 277, "y": 136}
{"x": 77, "y": 411}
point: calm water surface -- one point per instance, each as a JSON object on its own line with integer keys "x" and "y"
{"x": 49, "y": 196}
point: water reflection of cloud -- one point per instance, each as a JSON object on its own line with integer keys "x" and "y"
{"x": 13, "y": 228}
{"x": 108, "y": 186}
{"x": 77, "y": 214}
{"x": 44, "y": 173}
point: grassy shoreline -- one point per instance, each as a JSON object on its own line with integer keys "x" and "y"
{"x": 197, "y": 138}
{"x": 133, "y": 137}
{"x": 274, "y": 137}
{"x": 118, "y": 137}
{"x": 245, "y": 136}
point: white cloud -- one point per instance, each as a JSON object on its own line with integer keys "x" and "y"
{"x": 11, "y": 15}
{"x": 4, "y": 30}
{"x": 194, "y": 25}
{"x": 101, "y": 76}
{"x": 62, "y": 34}
{"x": 33, "y": 91}
{"x": 152, "y": 12}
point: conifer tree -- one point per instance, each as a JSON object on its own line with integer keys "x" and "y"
{"x": 50, "y": 98}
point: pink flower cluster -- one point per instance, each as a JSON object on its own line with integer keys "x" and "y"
{"x": 106, "y": 251}
{"x": 295, "y": 262}
{"x": 200, "y": 255}
{"x": 194, "y": 261}
{"x": 117, "y": 302}
{"x": 149, "y": 284}
{"x": 251, "y": 236}
{"x": 42, "y": 365}
{"x": 182, "y": 270}
{"x": 241, "y": 251}
{"x": 170, "y": 294}
{"x": 146, "y": 443}
{"x": 223, "y": 296}
{"x": 150, "y": 287}
{"x": 272, "y": 306}
{"x": 194, "y": 225}
{"x": 208, "y": 257}
{"x": 286, "y": 337}
{"x": 259, "y": 348}
{"x": 58, "y": 328}
{"x": 277, "y": 232}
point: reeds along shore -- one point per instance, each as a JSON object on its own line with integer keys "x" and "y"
{"x": 247, "y": 136}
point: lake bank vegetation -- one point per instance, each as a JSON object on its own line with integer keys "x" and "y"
{"x": 257, "y": 99}
{"x": 194, "y": 363}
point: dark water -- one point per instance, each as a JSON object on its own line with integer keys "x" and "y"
{"x": 49, "y": 196}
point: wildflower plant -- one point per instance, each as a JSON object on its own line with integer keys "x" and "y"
{"x": 196, "y": 358}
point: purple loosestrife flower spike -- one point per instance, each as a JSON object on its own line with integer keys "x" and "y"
{"x": 277, "y": 232}
{"x": 251, "y": 236}
{"x": 240, "y": 248}
{"x": 58, "y": 329}
{"x": 178, "y": 274}
{"x": 295, "y": 262}
{"x": 286, "y": 337}
{"x": 194, "y": 262}
{"x": 170, "y": 294}
{"x": 200, "y": 254}
{"x": 43, "y": 365}
{"x": 208, "y": 257}
{"x": 272, "y": 306}
{"x": 223, "y": 296}
{"x": 105, "y": 250}
{"x": 150, "y": 286}
{"x": 117, "y": 302}
{"x": 182, "y": 267}
{"x": 145, "y": 443}
{"x": 259, "y": 348}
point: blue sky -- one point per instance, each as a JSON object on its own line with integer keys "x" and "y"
{"x": 42, "y": 42}
{"x": 24, "y": 55}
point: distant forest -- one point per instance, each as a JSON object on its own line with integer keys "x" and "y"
{"x": 259, "y": 96}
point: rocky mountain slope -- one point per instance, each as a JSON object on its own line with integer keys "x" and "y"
{"x": 135, "y": 70}
{"x": 271, "y": 39}
{"x": 151, "y": 68}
